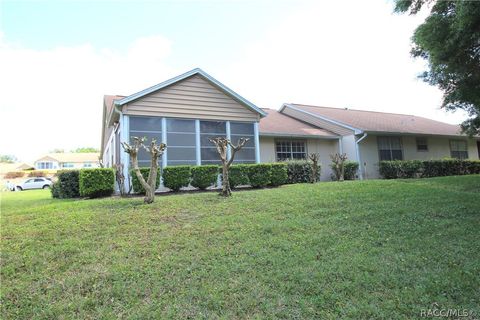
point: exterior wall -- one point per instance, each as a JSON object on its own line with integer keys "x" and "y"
{"x": 322, "y": 146}
{"x": 349, "y": 147}
{"x": 192, "y": 98}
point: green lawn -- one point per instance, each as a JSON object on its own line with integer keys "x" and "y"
{"x": 376, "y": 249}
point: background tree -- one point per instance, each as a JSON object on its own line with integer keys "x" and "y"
{"x": 314, "y": 157}
{"x": 156, "y": 151}
{"x": 8, "y": 158}
{"x": 449, "y": 40}
{"x": 86, "y": 150}
{"x": 222, "y": 145}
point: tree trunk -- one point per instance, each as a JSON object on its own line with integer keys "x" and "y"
{"x": 149, "y": 195}
{"x": 226, "y": 190}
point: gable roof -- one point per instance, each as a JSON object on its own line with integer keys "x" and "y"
{"x": 373, "y": 121}
{"x": 279, "y": 124}
{"x": 196, "y": 71}
{"x": 72, "y": 157}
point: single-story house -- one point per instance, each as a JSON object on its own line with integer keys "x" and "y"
{"x": 56, "y": 161}
{"x": 185, "y": 111}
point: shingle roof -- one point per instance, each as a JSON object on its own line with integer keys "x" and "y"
{"x": 72, "y": 157}
{"x": 276, "y": 123}
{"x": 382, "y": 122}
{"x": 109, "y": 99}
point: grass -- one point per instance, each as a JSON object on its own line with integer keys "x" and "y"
{"x": 374, "y": 249}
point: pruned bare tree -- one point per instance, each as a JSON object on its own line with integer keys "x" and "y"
{"x": 156, "y": 151}
{"x": 120, "y": 177}
{"x": 338, "y": 165}
{"x": 314, "y": 157}
{"x": 222, "y": 145}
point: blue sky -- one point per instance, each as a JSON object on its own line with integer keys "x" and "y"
{"x": 58, "y": 59}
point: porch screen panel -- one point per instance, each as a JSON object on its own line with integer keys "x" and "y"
{"x": 181, "y": 142}
{"x": 243, "y": 130}
{"x": 149, "y": 127}
{"x": 211, "y": 129}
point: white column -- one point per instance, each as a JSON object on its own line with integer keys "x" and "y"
{"x": 164, "y": 140}
{"x": 340, "y": 145}
{"x": 198, "y": 150}
{"x": 124, "y": 157}
{"x": 257, "y": 142}
{"x": 229, "y": 138}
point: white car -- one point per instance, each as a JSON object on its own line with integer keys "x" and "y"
{"x": 35, "y": 183}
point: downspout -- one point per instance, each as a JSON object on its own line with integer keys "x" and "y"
{"x": 357, "y": 150}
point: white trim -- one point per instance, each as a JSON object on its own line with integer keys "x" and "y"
{"x": 164, "y": 140}
{"x": 340, "y": 145}
{"x": 185, "y": 75}
{"x": 257, "y": 142}
{"x": 124, "y": 157}
{"x": 306, "y": 136}
{"x": 197, "y": 142}
{"x": 357, "y": 150}
{"x": 229, "y": 137}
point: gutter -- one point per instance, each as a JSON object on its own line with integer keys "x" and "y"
{"x": 357, "y": 150}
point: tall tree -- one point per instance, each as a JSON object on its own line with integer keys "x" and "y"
{"x": 8, "y": 158}
{"x": 449, "y": 40}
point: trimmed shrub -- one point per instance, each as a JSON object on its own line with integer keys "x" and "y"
{"x": 238, "y": 175}
{"x": 401, "y": 169}
{"x": 428, "y": 168}
{"x": 279, "y": 174}
{"x": 136, "y": 185}
{"x": 350, "y": 170}
{"x": 204, "y": 176}
{"x": 176, "y": 177}
{"x": 14, "y": 174}
{"x": 67, "y": 185}
{"x": 33, "y": 174}
{"x": 96, "y": 182}
{"x": 260, "y": 175}
{"x": 300, "y": 171}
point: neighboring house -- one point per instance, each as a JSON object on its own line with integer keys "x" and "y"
{"x": 185, "y": 111}
{"x": 57, "y": 161}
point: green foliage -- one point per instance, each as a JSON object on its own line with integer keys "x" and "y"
{"x": 350, "y": 170}
{"x": 238, "y": 175}
{"x": 14, "y": 174}
{"x": 136, "y": 185}
{"x": 67, "y": 185}
{"x": 429, "y": 168}
{"x": 260, "y": 174}
{"x": 8, "y": 158}
{"x": 86, "y": 150}
{"x": 448, "y": 40}
{"x": 300, "y": 171}
{"x": 176, "y": 177}
{"x": 96, "y": 182}
{"x": 57, "y": 150}
{"x": 204, "y": 176}
{"x": 279, "y": 174}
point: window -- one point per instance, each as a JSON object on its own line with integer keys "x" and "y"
{"x": 39, "y": 180}
{"x": 44, "y": 165}
{"x": 290, "y": 150}
{"x": 458, "y": 149}
{"x": 390, "y": 148}
{"x": 243, "y": 130}
{"x": 87, "y": 165}
{"x": 149, "y": 127}
{"x": 67, "y": 165}
{"x": 181, "y": 142}
{"x": 422, "y": 144}
{"x": 211, "y": 129}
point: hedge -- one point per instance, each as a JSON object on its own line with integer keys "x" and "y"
{"x": 260, "y": 175}
{"x": 238, "y": 175}
{"x": 67, "y": 185}
{"x": 96, "y": 182}
{"x": 279, "y": 174}
{"x": 300, "y": 171}
{"x": 427, "y": 168}
{"x": 136, "y": 185}
{"x": 204, "y": 176}
{"x": 176, "y": 177}
{"x": 350, "y": 170}
{"x": 14, "y": 174}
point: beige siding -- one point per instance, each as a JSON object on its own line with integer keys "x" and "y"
{"x": 193, "y": 98}
{"x": 317, "y": 122}
{"x": 324, "y": 147}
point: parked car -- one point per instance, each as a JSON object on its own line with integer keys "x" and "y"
{"x": 35, "y": 183}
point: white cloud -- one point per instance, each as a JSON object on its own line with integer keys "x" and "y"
{"x": 53, "y": 98}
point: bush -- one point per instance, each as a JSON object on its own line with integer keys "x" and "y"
{"x": 96, "y": 182}
{"x": 279, "y": 174}
{"x": 350, "y": 170}
{"x": 14, "y": 174}
{"x": 176, "y": 177}
{"x": 238, "y": 175}
{"x": 136, "y": 185}
{"x": 300, "y": 171}
{"x": 428, "y": 168}
{"x": 33, "y": 174}
{"x": 67, "y": 185}
{"x": 260, "y": 175}
{"x": 204, "y": 176}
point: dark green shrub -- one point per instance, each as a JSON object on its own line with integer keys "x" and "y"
{"x": 350, "y": 170}
{"x": 428, "y": 168}
{"x": 238, "y": 175}
{"x": 176, "y": 177}
{"x": 96, "y": 182}
{"x": 67, "y": 185}
{"x": 260, "y": 174}
{"x": 473, "y": 167}
{"x": 300, "y": 171}
{"x": 279, "y": 173}
{"x": 204, "y": 176}
{"x": 402, "y": 169}
{"x": 136, "y": 185}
